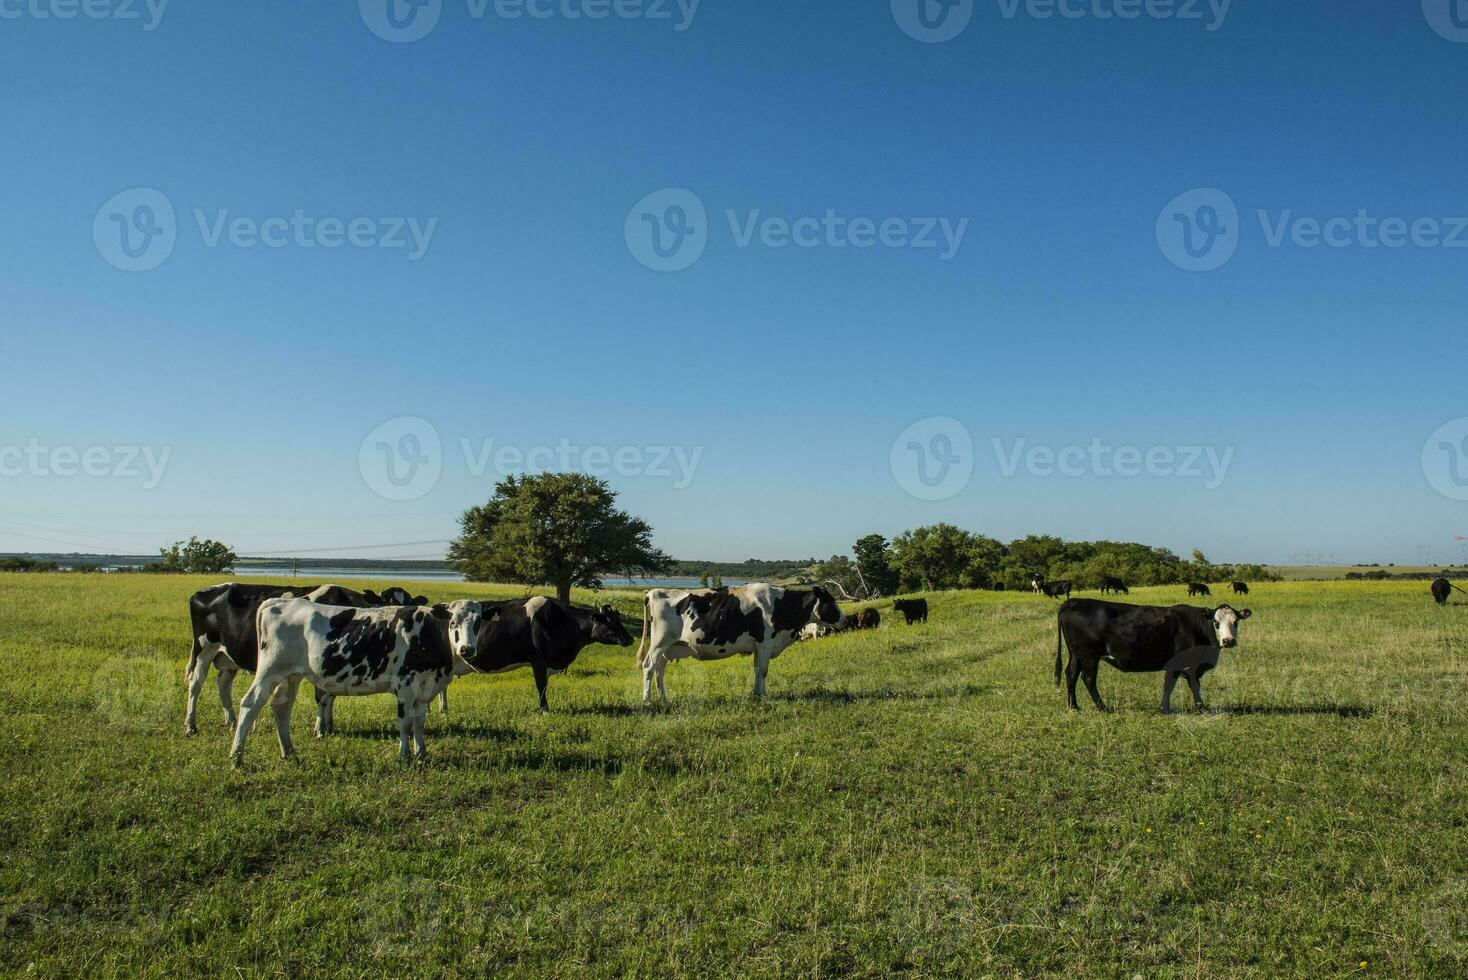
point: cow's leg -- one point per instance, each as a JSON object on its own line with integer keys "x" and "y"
{"x": 1072, "y": 674}
{"x": 250, "y": 706}
{"x": 420, "y": 716}
{"x": 225, "y": 682}
{"x": 1089, "y": 676}
{"x": 281, "y": 703}
{"x": 542, "y": 678}
{"x": 1167, "y": 686}
{"x": 325, "y": 713}
{"x": 443, "y": 701}
{"x": 196, "y": 675}
{"x": 649, "y": 672}
{"x": 1195, "y": 682}
{"x": 407, "y": 706}
{"x": 761, "y": 668}
{"x": 658, "y": 671}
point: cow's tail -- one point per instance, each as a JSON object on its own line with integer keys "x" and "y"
{"x": 1059, "y": 642}
{"x": 646, "y": 629}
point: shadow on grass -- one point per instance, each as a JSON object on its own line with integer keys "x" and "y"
{"x": 1339, "y": 710}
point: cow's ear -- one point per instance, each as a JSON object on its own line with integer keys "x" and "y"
{"x": 1245, "y": 613}
{"x": 419, "y": 600}
{"x": 441, "y": 611}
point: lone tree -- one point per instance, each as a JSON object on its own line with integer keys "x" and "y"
{"x": 560, "y": 529}
{"x": 207, "y": 557}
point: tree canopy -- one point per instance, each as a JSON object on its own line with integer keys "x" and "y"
{"x": 560, "y": 529}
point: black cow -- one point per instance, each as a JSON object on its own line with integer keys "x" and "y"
{"x": 913, "y": 610}
{"x": 1181, "y": 640}
{"x": 1441, "y": 589}
{"x": 1198, "y": 588}
{"x": 866, "y": 619}
{"x": 1241, "y": 588}
{"x": 541, "y": 633}
{"x": 1057, "y": 589}
{"x": 1110, "y": 583}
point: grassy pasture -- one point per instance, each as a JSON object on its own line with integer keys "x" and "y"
{"x": 908, "y": 800}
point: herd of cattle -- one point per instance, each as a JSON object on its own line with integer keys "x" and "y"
{"x": 351, "y": 643}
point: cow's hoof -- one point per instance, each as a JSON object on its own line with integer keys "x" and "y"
{"x": 191, "y": 730}
{"x": 237, "y": 760}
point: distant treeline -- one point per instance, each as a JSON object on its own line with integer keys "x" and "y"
{"x": 1381, "y": 575}
{"x": 754, "y": 569}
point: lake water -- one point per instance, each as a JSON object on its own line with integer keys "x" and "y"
{"x": 283, "y": 572}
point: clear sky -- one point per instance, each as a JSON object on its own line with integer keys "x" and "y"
{"x": 495, "y": 176}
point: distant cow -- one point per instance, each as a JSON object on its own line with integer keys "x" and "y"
{"x": 1037, "y": 583}
{"x": 1182, "y": 640}
{"x": 1057, "y": 589}
{"x": 541, "y": 633}
{"x": 1241, "y": 588}
{"x": 337, "y": 595}
{"x": 913, "y": 610}
{"x": 868, "y": 619}
{"x": 1112, "y": 584}
{"x": 712, "y": 624}
{"x": 1441, "y": 589}
{"x": 1198, "y": 588}
{"x": 344, "y": 650}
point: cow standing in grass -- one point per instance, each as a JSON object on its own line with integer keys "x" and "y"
{"x": 1114, "y": 585}
{"x": 1183, "y": 641}
{"x": 341, "y": 650}
{"x": 1198, "y": 588}
{"x": 541, "y": 633}
{"x": 1442, "y": 589}
{"x": 912, "y": 610}
{"x": 712, "y": 624}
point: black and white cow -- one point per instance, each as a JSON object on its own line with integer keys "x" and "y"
{"x": 1110, "y": 583}
{"x": 712, "y": 624}
{"x": 1198, "y": 588}
{"x": 1182, "y": 640}
{"x": 1241, "y": 588}
{"x": 348, "y": 651}
{"x": 223, "y": 622}
{"x": 338, "y": 595}
{"x": 912, "y": 610}
{"x": 541, "y": 633}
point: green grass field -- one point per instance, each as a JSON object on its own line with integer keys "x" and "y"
{"x": 909, "y": 800}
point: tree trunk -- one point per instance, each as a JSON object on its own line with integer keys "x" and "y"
{"x": 563, "y": 590}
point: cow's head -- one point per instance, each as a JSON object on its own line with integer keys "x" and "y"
{"x": 398, "y": 596}
{"x": 606, "y": 627}
{"x": 823, "y": 608}
{"x": 463, "y": 618}
{"x": 1226, "y": 620}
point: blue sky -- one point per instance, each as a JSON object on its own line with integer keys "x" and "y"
{"x": 525, "y": 143}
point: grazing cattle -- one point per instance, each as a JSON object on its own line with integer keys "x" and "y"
{"x": 541, "y": 633}
{"x": 1241, "y": 588}
{"x": 1441, "y": 588}
{"x": 1037, "y": 583}
{"x": 1182, "y": 640}
{"x": 1198, "y": 588}
{"x": 337, "y": 595}
{"x": 223, "y": 621}
{"x": 1057, "y": 589}
{"x": 868, "y": 619}
{"x": 344, "y": 650}
{"x": 913, "y": 610}
{"x": 998, "y": 587}
{"x": 1112, "y": 584}
{"x": 711, "y": 624}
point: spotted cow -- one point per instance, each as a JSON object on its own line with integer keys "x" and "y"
{"x": 712, "y": 624}
{"x": 342, "y": 650}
